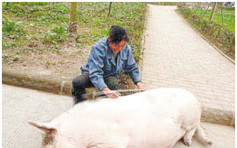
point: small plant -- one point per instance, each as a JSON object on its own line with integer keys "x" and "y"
{"x": 17, "y": 58}
{"x": 14, "y": 30}
{"x": 60, "y": 8}
{"x": 57, "y": 34}
{"x": 80, "y": 52}
{"x": 9, "y": 26}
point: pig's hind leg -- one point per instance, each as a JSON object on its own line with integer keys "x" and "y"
{"x": 202, "y": 137}
{"x": 188, "y": 136}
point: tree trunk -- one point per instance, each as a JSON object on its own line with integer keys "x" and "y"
{"x": 213, "y": 11}
{"x": 72, "y": 28}
{"x": 110, "y": 5}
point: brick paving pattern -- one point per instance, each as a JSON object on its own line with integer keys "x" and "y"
{"x": 177, "y": 56}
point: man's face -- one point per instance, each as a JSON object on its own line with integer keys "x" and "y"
{"x": 117, "y": 47}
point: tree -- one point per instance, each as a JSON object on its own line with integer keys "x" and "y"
{"x": 110, "y": 4}
{"x": 72, "y": 28}
{"x": 213, "y": 11}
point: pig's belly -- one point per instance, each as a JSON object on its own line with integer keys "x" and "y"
{"x": 140, "y": 128}
{"x": 161, "y": 135}
{"x": 135, "y": 134}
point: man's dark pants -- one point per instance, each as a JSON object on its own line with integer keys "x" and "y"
{"x": 81, "y": 82}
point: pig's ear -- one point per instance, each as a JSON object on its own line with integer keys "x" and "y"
{"x": 44, "y": 126}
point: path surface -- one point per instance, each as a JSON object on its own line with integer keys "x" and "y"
{"x": 21, "y": 105}
{"x": 177, "y": 56}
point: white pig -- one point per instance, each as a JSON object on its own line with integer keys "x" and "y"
{"x": 156, "y": 118}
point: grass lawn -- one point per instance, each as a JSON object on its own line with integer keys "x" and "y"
{"x": 228, "y": 17}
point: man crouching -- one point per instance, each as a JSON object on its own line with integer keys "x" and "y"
{"x": 108, "y": 57}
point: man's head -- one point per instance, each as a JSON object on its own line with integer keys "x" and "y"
{"x": 117, "y": 38}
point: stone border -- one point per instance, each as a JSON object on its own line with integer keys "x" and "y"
{"x": 218, "y": 116}
{"x": 36, "y": 82}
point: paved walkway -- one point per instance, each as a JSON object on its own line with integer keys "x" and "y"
{"x": 21, "y": 105}
{"x": 177, "y": 56}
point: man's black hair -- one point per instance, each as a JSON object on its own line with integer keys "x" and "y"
{"x": 118, "y": 34}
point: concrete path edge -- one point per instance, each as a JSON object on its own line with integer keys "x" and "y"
{"x": 64, "y": 88}
{"x": 36, "y": 82}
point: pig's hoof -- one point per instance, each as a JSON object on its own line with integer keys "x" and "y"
{"x": 188, "y": 142}
{"x": 208, "y": 142}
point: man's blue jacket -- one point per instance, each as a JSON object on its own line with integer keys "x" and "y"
{"x": 102, "y": 64}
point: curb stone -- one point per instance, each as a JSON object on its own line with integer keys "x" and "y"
{"x": 64, "y": 88}
{"x": 36, "y": 82}
{"x": 218, "y": 116}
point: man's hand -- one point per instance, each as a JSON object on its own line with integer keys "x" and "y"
{"x": 110, "y": 93}
{"x": 139, "y": 85}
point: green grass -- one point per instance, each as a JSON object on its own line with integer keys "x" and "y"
{"x": 228, "y": 17}
{"x": 46, "y": 23}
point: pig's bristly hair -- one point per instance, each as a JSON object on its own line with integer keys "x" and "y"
{"x": 48, "y": 139}
{"x": 50, "y": 131}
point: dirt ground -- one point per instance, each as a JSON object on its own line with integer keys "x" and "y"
{"x": 63, "y": 66}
